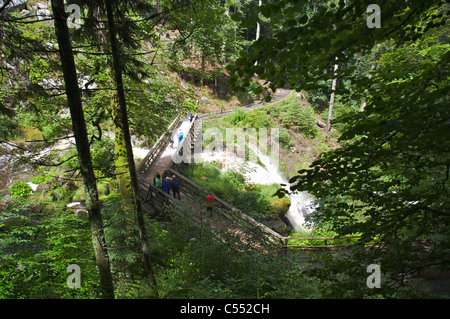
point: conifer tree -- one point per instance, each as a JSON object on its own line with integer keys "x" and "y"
{"x": 117, "y": 63}
{"x": 83, "y": 149}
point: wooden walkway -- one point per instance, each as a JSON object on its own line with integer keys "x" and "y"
{"x": 226, "y": 221}
{"x": 164, "y": 160}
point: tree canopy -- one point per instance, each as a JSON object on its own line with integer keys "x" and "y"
{"x": 382, "y": 173}
{"x": 390, "y": 175}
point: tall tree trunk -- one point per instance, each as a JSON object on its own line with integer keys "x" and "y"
{"x": 258, "y": 28}
{"x": 83, "y": 149}
{"x": 158, "y": 6}
{"x": 227, "y": 13}
{"x": 202, "y": 71}
{"x": 363, "y": 104}
{"x": 330, "y": 107}
{"x": 126, "y": 131}
{"x": 121, "y": 163}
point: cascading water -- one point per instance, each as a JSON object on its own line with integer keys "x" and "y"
{"x": 5, "y": 175}
{"x": 301, "y": 202}
{"x": 266, "y": 174}
{"x": 301, "y": 206}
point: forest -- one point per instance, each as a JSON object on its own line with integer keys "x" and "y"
{"x": 87, "y": 88}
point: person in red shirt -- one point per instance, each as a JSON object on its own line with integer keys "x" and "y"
{"x": 209, "y": 202}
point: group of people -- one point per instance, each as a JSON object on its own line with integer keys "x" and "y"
{"x": 168, "y": 184}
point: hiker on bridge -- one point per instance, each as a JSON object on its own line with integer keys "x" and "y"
{"x": 209, "y": 202}
{"x": 175, "y": 187}
{"x": 170, "y": 139}
{"x": 180, "y": 136}
{"x": 157, "y": 180}
{"x": 165, "y": 186}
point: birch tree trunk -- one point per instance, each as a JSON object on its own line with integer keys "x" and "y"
{"x": 330, "y": 107}
{"x": 258, "y": 28}
{"x": 83, "y": 149}
{"x": 227, "y": 13}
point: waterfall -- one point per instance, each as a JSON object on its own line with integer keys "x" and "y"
{"x": 5, "y": 174}
{"x": 301, "y": 202}
{"x": 266, "y": 174}
{"x": 301, "y": 206}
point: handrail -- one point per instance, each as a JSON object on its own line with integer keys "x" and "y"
{"x": 321, "y": 238}
{"x": 241, "y": 219}
{"x": 254, "y": 105}
{"x": 145, "y": 164}
{"x": 188, "y": 139}
{"x": 325, "y": 239}
{"x": 230, "y": 208}
{"x": 180, "y": 209}
{"x": 168, "y": 198}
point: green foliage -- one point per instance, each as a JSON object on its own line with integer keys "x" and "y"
{"x": 37, "y": 245}
{"x": 209, "y": 269}
{"x": 237, "y": 117}
{"x": 321, "y": 232}
{"x": 191, "y": 105}
{"x": 285, "y": 139}
{"x": 307, "y": 37}
{"x": 8, "y": 129}
{"x": 121, "y": 232}
{"x": 211, "y": 32}
{"x": 20, "y": 190}
{"x": 296, "y": 115}
{"x": 259, "y": 118}
{"x": 103, "y": 157}
{"x": 390, "y": 177}
{"x": 37, "y": 179}
{"x": 231, "y": 187}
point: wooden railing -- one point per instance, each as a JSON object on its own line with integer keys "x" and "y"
{"x": 157, "y": 201}
{"x": 145, "y": 165}
{"x": 229, "y": 212}
{"x": 185, "y": 151}
{"x": 325, "y": 241}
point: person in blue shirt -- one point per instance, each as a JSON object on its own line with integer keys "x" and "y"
{"x": 175, "y": 187}
{"x": 165, "y": 186}
{"x": 180, "y": 137}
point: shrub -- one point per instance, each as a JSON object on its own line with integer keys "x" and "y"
{"x": 103, "y": 157}
{"x": 237, "y": 116}
{"x": 302, "y": 118}
{"x": 37, "y": 245}
{"x": 285, "y": 139}
{"x": 259, "y": 119}
{"x": 191, "y": 105}
{"x": 20, "y": 190}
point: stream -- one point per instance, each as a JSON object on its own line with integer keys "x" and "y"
{"x": 5, "y": 174}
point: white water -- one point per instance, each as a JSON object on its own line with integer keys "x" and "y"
{"x": 5, "y": 174}
{"x": 301, "y": 202}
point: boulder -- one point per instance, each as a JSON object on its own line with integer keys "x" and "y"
{"x": 15, "y": 5}
{"x": 79, "y": 209}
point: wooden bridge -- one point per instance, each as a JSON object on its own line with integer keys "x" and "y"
{"x": 226, "y": 221}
